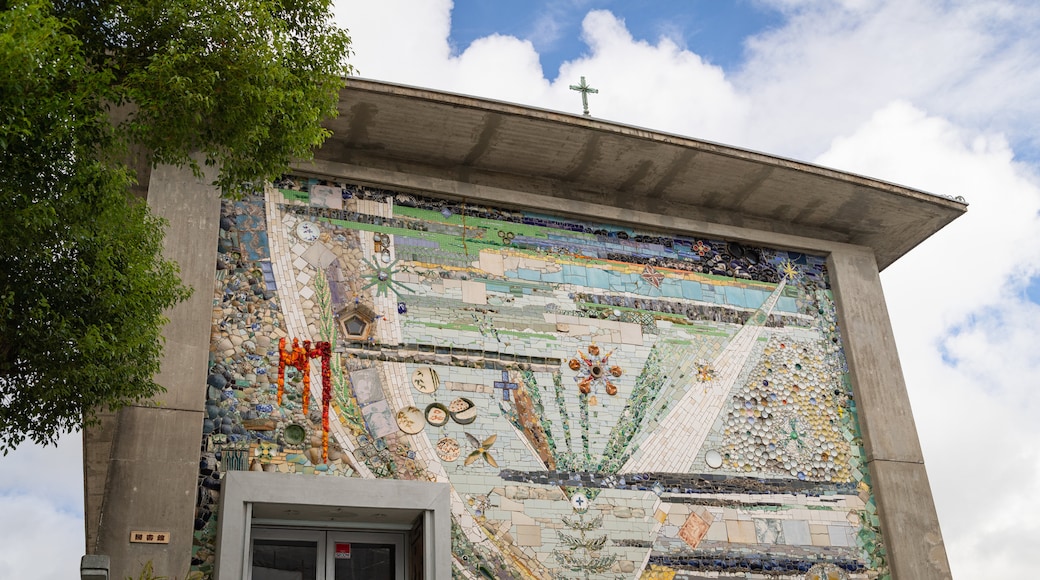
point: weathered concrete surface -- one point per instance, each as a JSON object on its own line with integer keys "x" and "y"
{"x": 908, "y": 520}
{"x": 912, "y": 536}
{"x": 151, "y": 487}
{"x": 886, "y": 419}
{"x": 140, "y": 464}
{"x": 192, "y": 207}
{"x": 97, "y": 452}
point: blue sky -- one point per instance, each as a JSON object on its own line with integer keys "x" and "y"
{"x": 940, "y": 95}
{"x": 714, "y": 29}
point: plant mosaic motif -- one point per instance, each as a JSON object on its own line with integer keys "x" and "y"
{"x": 605, "y": 402}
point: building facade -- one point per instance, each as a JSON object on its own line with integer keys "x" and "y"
{"x": 478, "y": 340}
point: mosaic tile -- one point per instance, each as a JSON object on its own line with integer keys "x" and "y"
{"x": 605, "y": 402}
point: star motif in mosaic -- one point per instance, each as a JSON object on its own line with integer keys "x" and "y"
{"x": 651, "y": 275}
{"x": 383, "y": 279}
{"x": 789, "y": 270}
{"x": 705, "y": 373}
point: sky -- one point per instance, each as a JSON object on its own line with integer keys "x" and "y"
{"x": 939, "y": 95}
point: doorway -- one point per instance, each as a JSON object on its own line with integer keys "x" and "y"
{"x": 298, "y": 520}
{"x": 297, "y": 554}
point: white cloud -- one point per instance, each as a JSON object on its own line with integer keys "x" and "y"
{"x": 903, "y": 144}
{"x": 652, "y": 85}
{"x": 833, "y": 64}
{"x": 966, "y": 338}
{"x": 55, "y": 472}
{"x": 39, "y": 541}
{"x": 658, "y": 85}
{"x": 399, "y": 40}
{"x": 546, "y": 31}
{"x": 41, "y": 499}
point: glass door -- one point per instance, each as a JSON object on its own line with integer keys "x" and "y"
{"x": 287, "y": 555}
{"x": 301, "y": 554}
{"x": 365, "y": 556}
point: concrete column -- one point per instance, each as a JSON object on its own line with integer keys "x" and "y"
{"x": 908, "y": 520}
{"x": 140, "y": 465}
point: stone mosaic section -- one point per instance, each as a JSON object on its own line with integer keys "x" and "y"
{"x": 606, "y": 402}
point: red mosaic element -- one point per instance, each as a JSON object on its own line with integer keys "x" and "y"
{"x": 299, "y": 358}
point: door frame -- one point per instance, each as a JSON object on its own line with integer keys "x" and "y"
{"x": 242, "y": 490}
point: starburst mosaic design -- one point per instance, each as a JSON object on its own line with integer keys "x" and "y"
{"x": 789, "y": 270}
{"x": 705, "y": 373}
{"x": 594, "y": 371}
{"x": 382, "y": 277}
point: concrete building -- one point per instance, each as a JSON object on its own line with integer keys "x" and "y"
{"x": 557, "y": 347}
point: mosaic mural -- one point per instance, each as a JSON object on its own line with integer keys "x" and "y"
{"x": 605, "y": 402}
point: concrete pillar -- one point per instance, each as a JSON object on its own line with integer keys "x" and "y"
{"x": 908, "y": 520}
{"x": 141, "y": 463}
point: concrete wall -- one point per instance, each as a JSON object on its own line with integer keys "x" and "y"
{"x": 893, "y": 451}
{"x": 140, "y": 464}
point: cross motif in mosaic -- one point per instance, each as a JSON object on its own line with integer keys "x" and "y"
{"x": 506, "y": 386}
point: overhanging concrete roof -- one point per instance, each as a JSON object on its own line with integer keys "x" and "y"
{"x": 491, "y": 143}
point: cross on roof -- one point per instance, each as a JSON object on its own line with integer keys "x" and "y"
{"x": 584, "y": 89}
{"x": 506, "y": 386}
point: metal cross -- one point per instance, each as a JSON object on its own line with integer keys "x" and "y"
{"x": 584, "y": 89}
{"x": 506, "y": 386}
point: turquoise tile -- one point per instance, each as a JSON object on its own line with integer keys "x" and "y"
{"x": 786, "y": 304}
{"x": 530, "y": 275}
{"x": 598, "y": 278}
{"x": 672, "y": 288}
{"x": 755, "y": 298}
{"x": 735, "y": 296}
{"x": 691, "y": 290}
{"x": 553, "y": 277}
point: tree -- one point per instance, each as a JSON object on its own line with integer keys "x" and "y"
{"x": 87, "y": 84}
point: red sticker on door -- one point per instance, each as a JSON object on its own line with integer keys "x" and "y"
{"x": 342, "y": 551}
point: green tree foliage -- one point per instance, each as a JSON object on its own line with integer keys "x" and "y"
{"x": 240, "y": 84}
